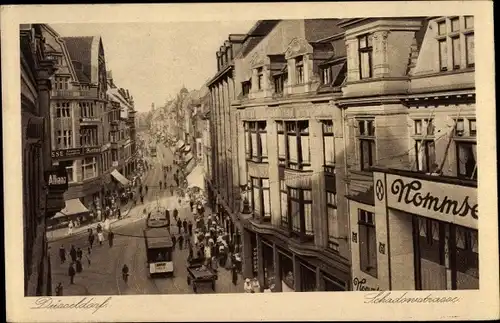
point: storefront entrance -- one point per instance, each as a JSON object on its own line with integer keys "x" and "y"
{"x": 286, "y": 275}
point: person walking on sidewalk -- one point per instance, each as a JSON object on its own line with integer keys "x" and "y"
{"x": 190, "y": 228}
{"x": 59, "y": 290}
{"x": 79, "y": 254}
{"x": 72, "y": 253}
{"x": 234, "y": 273}
{"x": 161, "y": 185}
{"x": 70, "y": 227}
{"x": 174, "y": 241}
{"x": 185, "y": 226}
{"x": 78, "y": 266}
{"x": 146, "y": 190}
{"x": 111, "y": 236}
{"x": 125, "y": 273}
{"x": 71, "y": 273}
{"x": 89, "y": 252}
{"x": 62, "y": 254}
{"x": 179, "y": 225}
{"x": 91, "y": 238}
{"x": 176, "y": 214}
{"x": 100, "y": 237}
{"x": 181, "y": 241}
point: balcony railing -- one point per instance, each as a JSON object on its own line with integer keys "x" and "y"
{"x": 71, "y": 93}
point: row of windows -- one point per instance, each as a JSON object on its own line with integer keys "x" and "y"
{"x": 88, "y": 169}
{"x": 454, "y": 35}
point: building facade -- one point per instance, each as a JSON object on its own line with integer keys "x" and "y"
{"x": 290, "y": 157}
{"x": 409, "y": 110}
{"x": 90, "y": 132}
{"x": 43, "y": 185}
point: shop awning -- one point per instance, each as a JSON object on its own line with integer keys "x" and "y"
{"x": 119, "y": 177}
{"x": 187, "y": 148}
{"x": 72, "y": 207}
{"x": 180, "y": 144}
{"x": 196, "y": 178}
{"x": 188, "y": 157}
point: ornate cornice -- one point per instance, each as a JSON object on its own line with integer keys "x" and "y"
{"x": 298, "y": 47}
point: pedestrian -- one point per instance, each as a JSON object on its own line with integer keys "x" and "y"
{"x": 99, "y": 228}
{"x": 125, "y": 273}
{"x": 255, "y": 285}
{"x": 174, "y": 241}
{"x": 185, "y": 226}
{"x": 100, "y": 237}
{"x": 247, "y": 286}
{"x": 111, "y": 236}
{"x": 191, "y": 204}
{"x": 181, "y": 241}
{"x": 72, "y": 253}
{"x": 190, "y": 252}
{"x": 79, "y": 254}
{"x": 89, "y": 252}
{"x": 214, "y": 264}
{"x": 119, "y": 213}
{"x": 79, "y": 266}
{"x": 160, "y": 185}
{"x": 234, "y": 274}
{"x": 179, "y": 225}
{"x": 91, "y": 238}
{"x": 190, "y": 228}
{"x": 70, "y": 227}
{"x": 59, "y": 290}
{"x": 71, "y": 273}
{"x": 146, "y": 189}
{"x": 171, "y": 190}
{"x": 142, "y": 199}
{"x": 62, "y": 254}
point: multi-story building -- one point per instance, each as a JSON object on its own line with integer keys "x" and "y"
{"x": 290, "y": 142}
{"x": 43, "y": 185}
{"x": 83, "y": 122}
{"x": 409, "y": 109}
{"x": 224, "y": 184}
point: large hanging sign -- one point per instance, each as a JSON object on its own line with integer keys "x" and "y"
{"x": 441, "y": 201}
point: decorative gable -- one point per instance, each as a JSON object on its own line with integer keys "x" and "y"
{"x": 258, "y": 59}
{"x": 298, "y": 47}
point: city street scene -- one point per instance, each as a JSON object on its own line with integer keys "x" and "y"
{"x": 249, "y": 157}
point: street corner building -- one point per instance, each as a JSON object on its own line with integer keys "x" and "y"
{"x": 92, "y": 122}
{"x": 342, "y": 153}
{"x": 43, "y": 184}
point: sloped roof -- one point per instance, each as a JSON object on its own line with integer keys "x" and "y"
{"x": 317, "y": 29}
{"x": 80, "y": 50}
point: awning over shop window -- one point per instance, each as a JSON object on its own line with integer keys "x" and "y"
{"x": 180, "y": 144}
{"x": 119, "y": 177}
{"x": 72, "y": 207}
{"x": 188, "y": 157}
{"x": 187, "y": 148}
{"x": 196, "y": 178}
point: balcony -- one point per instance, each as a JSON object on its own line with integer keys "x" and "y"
{"x": 71, "y": 94}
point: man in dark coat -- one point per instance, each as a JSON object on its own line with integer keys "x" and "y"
{"x": 234, "y": 273}
{"x": 91, "y": 238}
{"x": 185, "y": 226}
{"x": 190, "y": 228}
{"x": 79, "y": 254}
{"x": 71, "y": 273}
{"x": 78, "y": 266}
{"x": 72, "y": 253}
{"x": 181, "y": 241}
{"x": 174, "y": 241}
{"x": 62, "y": 254}
{"x": 179, "y": 224}
{"x": 111, "y": 236}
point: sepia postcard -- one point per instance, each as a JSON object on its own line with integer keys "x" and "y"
{"x": 336, "y": 160}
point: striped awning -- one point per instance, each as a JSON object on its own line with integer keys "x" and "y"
{"x": 180, "y": 144}
{"x": 119, "y": 177}
{"x": 73, "y": 206}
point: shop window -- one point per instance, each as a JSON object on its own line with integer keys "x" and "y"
{"x": 333, "y": 284}
{"x": 256, "y": 141}
{"x": 307, "y": 279}
{"x": 467, "y": 258}
{"x": 366, "y": 139}
{"x": 261, "y": 204}
{"x": 300, "y": 212}
{"x": 89, "y": 168}
{"x": 268, "y": 261}
{"x": 328, "y": 142}
{"x": 332, "y": 220}
{"x": 367, "y": 242}
{"x": 365, "y": 52}
{"x": 466, "y": 159}
{"x": 299, "y": 70}
{"x": 287, "y": 273}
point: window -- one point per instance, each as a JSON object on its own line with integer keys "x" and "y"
{"x": 299, "y": 70}
{"x": 332, "y": 220}
{"x": 366, "y": 143}
{"x": 425, "y": 151}
{"x": 467, "y": 258}
{"x": 466, "y": 159}
{"x": 367, "y": 242}
{"x": 326, "y": 75}
{"x": 88, "y": 137}
{"x": 64, "y": 139}
{"x": 279, "y": 83}
{"x": 260, "y": 198}
{"x": 61, "y": 83}
{"x": 256, "y": 141}
{"x": 69, "y": 165}
{"x": 86, "y": 109}
{"x": 450, "y": 33}
{"x": 293, "y": 144}
{"x": 246, "y": 87}
{"x": 328, "y": 142}
{"x": 260, "y": 78}
{"x": 365, "y": 56}
{"x": 300, "y": 212}
{"x": 284, "y": 204}
{"x": 472, "y": 127}
{"x": 89, "y": 168}
{"x": 63, "y": 110}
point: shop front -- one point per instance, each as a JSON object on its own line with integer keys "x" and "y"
{"x": 421, "y": 234}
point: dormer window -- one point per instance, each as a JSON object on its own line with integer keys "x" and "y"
{"x": 326, "y": 75}
{"x": 260, "y": 78}
{"x": 450, "y": 41}
{"x": 246, "y": 87}
{"x": 365, "y": 52}
{"x": 299, "y": 70}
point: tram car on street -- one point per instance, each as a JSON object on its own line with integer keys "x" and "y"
{"x": 159, "y": 247}
{"x": 157, "y": 218}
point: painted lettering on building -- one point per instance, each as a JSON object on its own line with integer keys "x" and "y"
{"x": 360, "y": 285}
{"x": 57, "y": 180}
{"x": 440, "y": 201}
